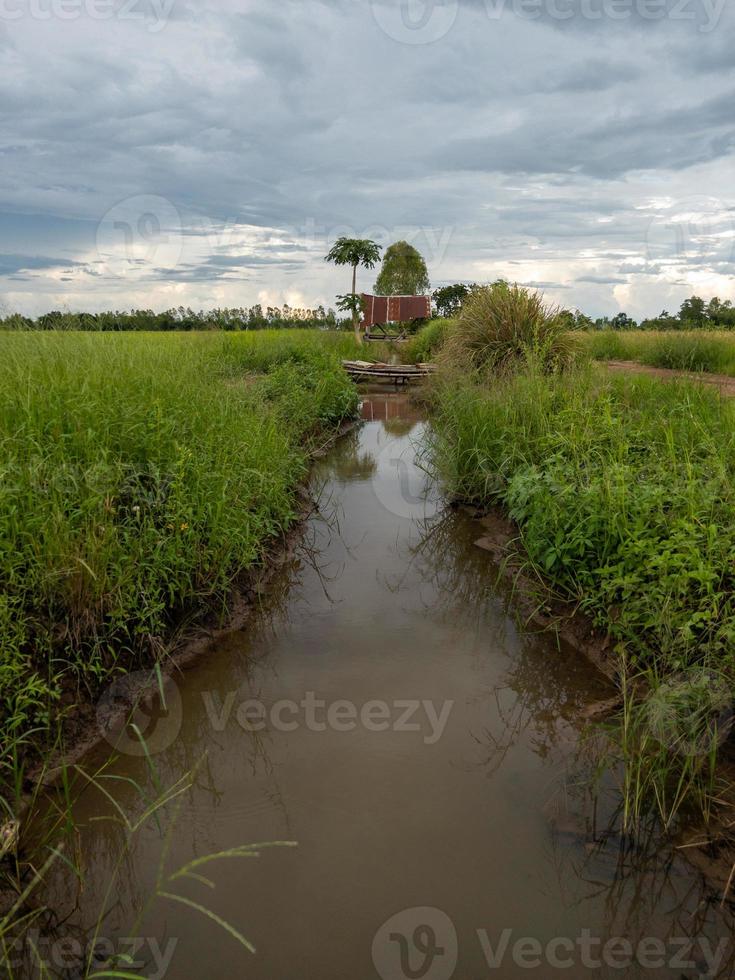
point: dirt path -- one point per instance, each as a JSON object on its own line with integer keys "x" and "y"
{"x": 724, "y": 382}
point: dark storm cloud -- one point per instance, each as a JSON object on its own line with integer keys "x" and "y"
{"x": 533, "y": 143}
{"x": 593, "y": 76}
{"x": 608, "y": 16}
{"x": 672, "y": 139}
{"x": 719, "y": 56}
{"x": 246, "y": 262}
{"x": 10, "y": 264}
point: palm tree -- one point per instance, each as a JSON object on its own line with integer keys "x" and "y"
{"x": 354, "y": 252}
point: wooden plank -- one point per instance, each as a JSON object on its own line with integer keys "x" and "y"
{"x": 387, "y": 372}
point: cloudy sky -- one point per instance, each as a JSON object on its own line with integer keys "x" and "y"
{"x": 163, "y": 152}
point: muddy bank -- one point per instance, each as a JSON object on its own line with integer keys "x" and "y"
{"x": 533, "y": 599}
{"x": 91, "y": 719}
{"x": 85, "y": 723}
{"x": 711, "y": 850}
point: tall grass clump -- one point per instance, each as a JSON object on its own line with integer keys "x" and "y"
{"x": 503, "y": 327}
{"x": 669, "y": 733}
{"x": 140, "y": 474}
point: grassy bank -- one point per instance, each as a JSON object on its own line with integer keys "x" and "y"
{"x": 697, "y": 350}
{"x": 140, "y": 475}
{"x": 425, "y": 344}
{"x": 623, "y": 492}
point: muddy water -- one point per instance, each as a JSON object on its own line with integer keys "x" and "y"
{"x": 385, "y": 712}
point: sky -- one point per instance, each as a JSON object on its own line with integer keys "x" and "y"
{"x": 159, "y": 153}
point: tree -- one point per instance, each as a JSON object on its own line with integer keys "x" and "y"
{"x": 621, "y": 321}
{"x": 448, "y": 299}
{"x": 403, "y": 273}
{"x": 693, "y": 312}
{"x": 354, "y": 252}
{"x": 721, "y": 314}
{"x": 349, "y": 303}
{"x": 576, "y": 320}
{"x": 664, "y": 321}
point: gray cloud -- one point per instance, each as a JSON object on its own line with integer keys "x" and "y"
{"x": 557, "y": 152}
{"x": 602, "y": 280}
{"x": 10, "y": 264}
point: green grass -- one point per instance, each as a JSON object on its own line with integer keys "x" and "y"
{"x": 140, "y": 474}
{"x": 668, "y": 734}
{"x": 427, "y": 342}
{"x": 50, "y": 856}
{"x": 261, "y": 350}
{"x": 623, "y": 489}
{"x": 697, "y": 350}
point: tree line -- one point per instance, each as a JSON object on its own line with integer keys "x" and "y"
{"x": 183, "y": 318}
{"x": 695, "y": 313}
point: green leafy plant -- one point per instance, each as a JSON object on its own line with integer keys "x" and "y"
{"x": 622, "y": 489}
{"x": 354, "y": 252}
{"x": 403, "y": 272}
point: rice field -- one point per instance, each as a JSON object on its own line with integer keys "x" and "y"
{"x": 141, "y": 473}
{"x": 709, "y": 351}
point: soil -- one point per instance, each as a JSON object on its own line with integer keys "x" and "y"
{"x": 723, "y": 382}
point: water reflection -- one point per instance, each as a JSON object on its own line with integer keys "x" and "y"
{"x": 379, "y": 405}
{"x": 493, "y": 821}
{"x": 346, "y": 462}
